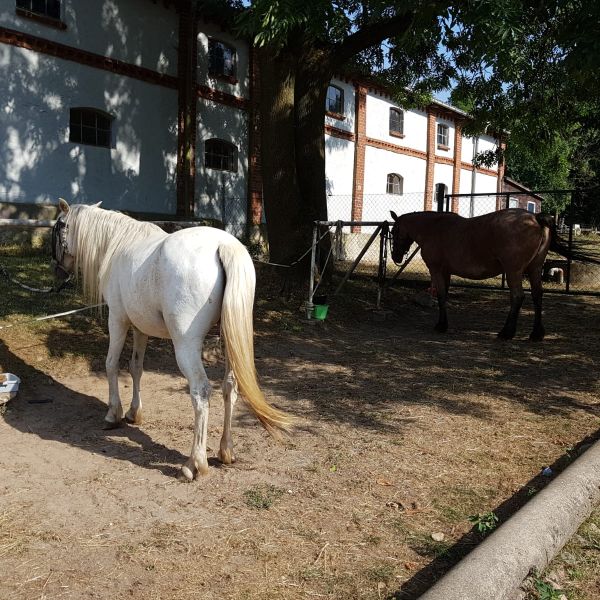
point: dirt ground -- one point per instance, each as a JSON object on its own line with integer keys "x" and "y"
{"x": 402, "y": 433}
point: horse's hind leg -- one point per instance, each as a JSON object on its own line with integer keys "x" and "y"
{"x": 189, "y": 359}
{"x": 441, "y": 283}
{"x": 230, "y": 394}
{"x": 535, "y": 279}
{"x": 136, "y": 368}
{"x": 117, "y": 330}
{"x": 515, "y": 284}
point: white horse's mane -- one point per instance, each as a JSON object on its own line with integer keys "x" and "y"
{"x": 99, "y": 236}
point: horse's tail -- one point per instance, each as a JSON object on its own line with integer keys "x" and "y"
{"x": 561, "y": 246}
{"x": 238, "y": 334}
{"x": 556, "y": 243}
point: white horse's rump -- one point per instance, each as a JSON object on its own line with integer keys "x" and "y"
{"x": 173, "y": 286}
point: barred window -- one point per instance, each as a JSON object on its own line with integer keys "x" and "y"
{"x": 90, "y": 126}
{"x": 395, "y": 184}
{"x": 396, "y": 121}
{"x": 221, "y": 59}
{"x": 46, "y": 8}
{"x": 335, "y": 100}
{"x": 442, "y": 134}
{"x": 222, "y": 155}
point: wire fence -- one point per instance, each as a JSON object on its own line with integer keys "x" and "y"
{"x": 359, "y": 247}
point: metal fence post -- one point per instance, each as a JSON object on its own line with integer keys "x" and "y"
{"x": 382, "y": 271}
{"x": 570, "y": 251}
{"x": 311, "y": 285}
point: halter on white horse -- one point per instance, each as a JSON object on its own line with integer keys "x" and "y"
{"x": 173, "y": 286}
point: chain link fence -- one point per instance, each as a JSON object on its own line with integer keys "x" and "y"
{"x": 228, "y": 212}
{"x": 360, "y": 246}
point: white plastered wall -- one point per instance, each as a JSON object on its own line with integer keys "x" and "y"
{"x": 240, "y": 87}
{"x": 222, "y": 195}
{"x": 415, "y": 124}
{"x": 348, "y": 122}
{"x": 126, "y": 31}
{"x": 39, "y": 164}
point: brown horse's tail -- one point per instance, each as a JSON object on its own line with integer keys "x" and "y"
{"x": 556, "y": 243}
{"x": 238, "y": 334}
{"x": 561, "y": 246}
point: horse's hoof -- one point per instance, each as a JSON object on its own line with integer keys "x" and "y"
{"x": 506, "y": 335}
{"x": 135, "y": 420}
{"x": 536, "y": 337}
{"x": 441, "y": 328}
{"x": 226, "y": 456}
{"x": 185, "y": 474}
{"x": 111, "y": 425}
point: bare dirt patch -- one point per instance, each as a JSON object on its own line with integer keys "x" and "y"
{"x": 403, "y": 433}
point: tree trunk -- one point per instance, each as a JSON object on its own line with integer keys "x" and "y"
{"x": 281, "y": 192}
{"x": 312, "y": 80}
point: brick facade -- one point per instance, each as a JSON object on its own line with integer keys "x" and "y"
{"x": 359, "y": 154}
{"x": 429, "y": 169}
{"x": 456, "y": 164}
{"x": 255, "y": 206}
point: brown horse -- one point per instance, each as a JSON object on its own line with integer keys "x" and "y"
{"x": 511, "y": 241}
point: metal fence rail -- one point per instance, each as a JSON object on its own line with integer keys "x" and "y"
{"x": 354, "y": 248}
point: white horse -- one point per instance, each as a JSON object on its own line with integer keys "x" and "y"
{"x": 173, "y": 286}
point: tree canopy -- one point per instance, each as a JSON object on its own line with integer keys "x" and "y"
{"x": 528, "y": 68}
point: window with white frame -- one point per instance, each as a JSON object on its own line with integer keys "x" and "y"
{"x": 221, "y": 155}
{"x": 513, "y": 202}
{"x": 531, "y": 206}
{"x": 395, "y": 184}
{"x": 44, "y": 8}
{"x": 442, "y": 135}
{"x": 335, "y": 100}
{"x": 90, "y": 126}
{"x": 221, "y": 59}
{"x": 396, "y": 122}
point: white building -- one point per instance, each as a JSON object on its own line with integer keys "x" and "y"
{"x": 94, "y": 107}
{"x": 400, "y": 158}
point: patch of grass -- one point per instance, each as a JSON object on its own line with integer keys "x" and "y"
{"x": 450, "y": 513}
{"x": 425, "y": 546}
{"x": 540, "y": 589}
{"x": 484, "y": 522}
{"x": 575, "y": 569}
{"x": 373, "y": 540}
{"x": 263, "y": 496}
{"x": 383, "y": 572}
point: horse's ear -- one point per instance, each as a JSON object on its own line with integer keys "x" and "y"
{"x": 63, "y": 205}
{"x": 97, "y": 204}
{"x": 394, "y": 215}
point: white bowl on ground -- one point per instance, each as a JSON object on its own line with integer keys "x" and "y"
{"x": 9, "y": 386}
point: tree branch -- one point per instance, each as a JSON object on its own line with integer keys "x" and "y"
{"x": 373, "y": 34}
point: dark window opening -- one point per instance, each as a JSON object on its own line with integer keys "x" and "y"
{"x": 335, "y": 100}
{"x": 396, "y": 122}
{"x": 90, "y": 126}
{"x": 219, "y": 154}
{"x": 46, "y": 8}
{"x": 221, "y": 59}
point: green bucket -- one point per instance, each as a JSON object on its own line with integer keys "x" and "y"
{"x": 320, "y": 311}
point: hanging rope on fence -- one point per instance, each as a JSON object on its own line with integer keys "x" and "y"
{"x": 4, "y": 273}
{"x": 54, "y": 316}
{"x": 264, "y": 262}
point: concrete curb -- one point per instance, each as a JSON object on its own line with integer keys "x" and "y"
{"x": 528, "y": 540}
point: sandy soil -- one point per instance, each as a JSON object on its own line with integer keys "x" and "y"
{"x": 403, "y": 433}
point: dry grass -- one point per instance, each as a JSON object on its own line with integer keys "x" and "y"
{"x": 403, "y": 434}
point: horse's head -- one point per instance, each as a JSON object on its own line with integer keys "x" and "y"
{"x": 401, "y": 241}
{"x": 63, "y": 254}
